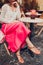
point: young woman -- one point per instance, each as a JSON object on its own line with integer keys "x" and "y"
{"x": 15, "y": 32}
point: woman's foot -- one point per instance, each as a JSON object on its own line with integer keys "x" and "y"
{"x": 34, "y": 50}
{"x": 21, "y": 60}
{"x": 32, "y": 47}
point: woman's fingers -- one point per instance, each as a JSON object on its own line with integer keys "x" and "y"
{"x": 15, "y": 3}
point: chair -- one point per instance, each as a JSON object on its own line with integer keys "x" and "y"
{"x": 2, "y": 41}
{"x": 41, "y": 25}
{"x": 6, "y": 49}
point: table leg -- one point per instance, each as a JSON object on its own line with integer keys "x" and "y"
{"x": 39, "y": 32}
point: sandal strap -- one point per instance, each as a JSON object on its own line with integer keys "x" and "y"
{"x": 31, "y": 47}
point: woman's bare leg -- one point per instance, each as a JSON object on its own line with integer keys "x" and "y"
{"x": 32, "y": 47}
{"x": 21, "y": 60}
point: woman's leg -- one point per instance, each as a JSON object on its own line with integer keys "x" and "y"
{"x": 32, "y": 47}
{"x": 21, "y": 60}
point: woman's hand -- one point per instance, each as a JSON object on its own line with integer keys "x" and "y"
{"x": 15, "y": 21}
{"x": 15, "y": 4}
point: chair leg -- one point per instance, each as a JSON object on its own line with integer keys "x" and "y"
{"x": 6, "y": 48}
{"x": 39, "y": 32}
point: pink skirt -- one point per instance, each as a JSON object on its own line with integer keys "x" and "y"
{"x": 15, "y": 35}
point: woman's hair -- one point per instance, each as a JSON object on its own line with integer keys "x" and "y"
{"x": 7, "y": 1}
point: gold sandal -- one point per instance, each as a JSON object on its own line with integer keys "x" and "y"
{"x": 20, "y": 59}
{"x": 34, "y": 50}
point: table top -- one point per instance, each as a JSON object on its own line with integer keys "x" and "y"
{"x": 28, "y": 19}
{"x": 29, "y": 13}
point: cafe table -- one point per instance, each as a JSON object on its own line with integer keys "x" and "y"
{"x": 29, "y": 13}
{"x": 29, "y": 20}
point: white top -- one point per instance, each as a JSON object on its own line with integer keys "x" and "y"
{"x": 7, "y": 15}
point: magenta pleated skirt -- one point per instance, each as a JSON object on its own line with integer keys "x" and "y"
{"x": 15, "y": 35}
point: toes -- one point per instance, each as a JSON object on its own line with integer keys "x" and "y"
{"x": 35, "y": 50}
{"x": 21, "y": 60}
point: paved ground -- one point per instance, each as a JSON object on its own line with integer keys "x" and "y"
{"x": 29, "y": 60}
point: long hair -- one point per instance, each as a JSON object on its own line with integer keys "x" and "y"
{"x": 7, "y": 1}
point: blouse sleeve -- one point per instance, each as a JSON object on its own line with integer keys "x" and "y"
{"x": 18, "y": 12}
{"x": 3, "y": 12}
{"x": 3, "y": 19}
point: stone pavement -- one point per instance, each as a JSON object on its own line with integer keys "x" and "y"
{"x": 29, "y": 60}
